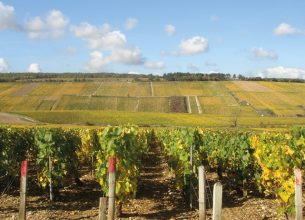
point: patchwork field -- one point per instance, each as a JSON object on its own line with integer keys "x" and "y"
{"x": 232, "y": 99}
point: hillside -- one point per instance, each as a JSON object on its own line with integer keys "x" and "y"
{"x": 226, "y": 100}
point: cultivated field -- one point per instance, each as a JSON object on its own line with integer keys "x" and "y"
{"x": 278, "y": 101}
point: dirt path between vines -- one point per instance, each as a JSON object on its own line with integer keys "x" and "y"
{"x": 157, "y": 196}
{"x": 8, "y": 118}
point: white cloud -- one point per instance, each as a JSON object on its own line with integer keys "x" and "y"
{"x": 287, "y": 29}
{"x": 192, "y": 68}
{"x": 155, "y": 65}
{"x": 131, "y": 23}
{"x": 7, "y": 18}
{"x": 52, "y": 26}
{"x": 100, "y": 37}
{"x": 214, "y": 71}
{"x": 34, "y": 68}
{"x": 134, "y": 73}
{"x": 261, "y": 53}
{"x": 191, "y": 46}
{"x": 214, "y": 18}
{"x": 3, "y": 65}
{"x": 97, "y": 61}
{"x": 129, "y": 56}
{"x": 170, "y": 29}
{"x": 194, "y": 45}
{"x": 114, "y": 42}
{"x": 86, "y": 30}
{"x": 282, "y": 72}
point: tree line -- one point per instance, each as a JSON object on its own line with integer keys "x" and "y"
{"x": 174, "y": 76}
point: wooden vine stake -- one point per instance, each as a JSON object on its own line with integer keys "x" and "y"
{"x": 217, "y": 201}
{"x": 51, "y": 184}
{"x": 102, "y": 208}
{"x": 298, "y": 194}
{"x": 92, "y": 166}
{"x": 111, "y": 195}
{"x": 190, "y": 180}
{"x": 23, "y": 172}
{"x": 245, "y": 192}
{"x": 202, "y": 193}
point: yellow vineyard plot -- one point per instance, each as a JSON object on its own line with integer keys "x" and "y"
{"x": 69, "y": 102}
{"x": 46, "y": 105}
{"x": 232, "y": 86}
{"x": 166, "y": 88}
{"x": 8, "y": 91}
{"x": 285, "y": 86}
{"x": 127, "y": 104}
{"x": 89, "y": 88}
{"x": 154, "y": 104}
{"x": 132, "y": 89}
{"x": 103, "y": 103}
{"x": 45, "y": 89}
{"x": 189, "y": 88}
{"x": 295, "y": 98}
{"x": 280, "y": 103}
{"x": 224, "y": 105}
{"x": 4, "y": 87}
{"x": 7, "y": 103}
{"x": 55, "y": 89}
{"x": 28, "y": 103}
{"x": 211, "y": 101}
{"x": 69, "y": 88}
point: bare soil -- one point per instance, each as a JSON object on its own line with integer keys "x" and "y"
{"x": 252, "y": 86}
{"x": 178, "y": 104}
{"x": 7, "y": 118}
{"x": 26, "y": 89}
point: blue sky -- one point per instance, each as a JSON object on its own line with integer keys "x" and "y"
{"x": 254, "y": 38}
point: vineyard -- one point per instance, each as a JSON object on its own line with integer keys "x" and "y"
{"x": 253, "y": 163}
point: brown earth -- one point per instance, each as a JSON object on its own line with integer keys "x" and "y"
{"x": 7, "y": 118}
{"x": 26, "y": 89}
{"x": 252, "y": 86}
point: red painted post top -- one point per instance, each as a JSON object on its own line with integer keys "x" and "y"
{"x": 112, "y": 164}
{"x": 298, "y": 176}
{"x": 24, "y": 168}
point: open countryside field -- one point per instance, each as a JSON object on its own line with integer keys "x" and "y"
{"x": 276, "y": 103}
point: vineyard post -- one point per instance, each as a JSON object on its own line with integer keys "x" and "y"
{"x": 102, "y": 208}
{"x": 191, "y": 173}
{"x": 245, "y": 192}
{"x": 298, "y": 194}
{"x": 217, "y": 201}
{"x": 50, "y": 173}
{"x": 92, "y": 165}
{"x": 202, "y": 193}
{"x": 111, "y": 204}
{"x": 23, "y": 180}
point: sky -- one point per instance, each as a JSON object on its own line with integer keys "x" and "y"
{"x": 252, "y": 38}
